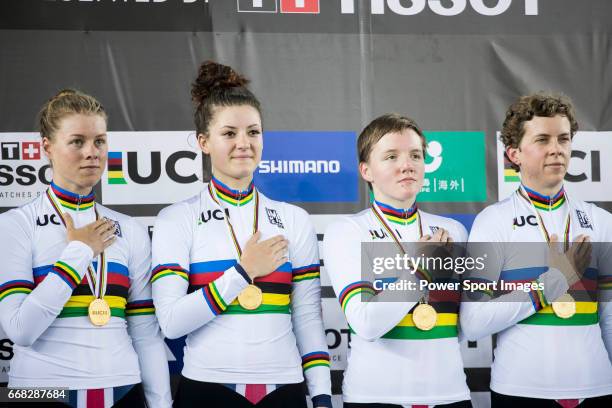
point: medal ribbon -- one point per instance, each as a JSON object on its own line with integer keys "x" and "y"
{"x": 543, "y": 230}
{"x": 424, "y": 274}
{"x": 97, "y": 290}
{"x": 230, "y": 228}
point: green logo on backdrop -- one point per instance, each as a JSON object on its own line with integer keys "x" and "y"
{"x": 454, "y": 167}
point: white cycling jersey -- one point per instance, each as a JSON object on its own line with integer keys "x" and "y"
{"x": 44, "y": 298}
{"x": 196, "y": 281}
{"x": 538, "y": 354}
{"x": 390, "y": 360}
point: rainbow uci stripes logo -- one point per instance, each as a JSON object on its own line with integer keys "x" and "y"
{"x": 115, "y": 168}
{"x": 510, "y": 175}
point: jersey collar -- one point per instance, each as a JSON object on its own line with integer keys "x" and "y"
{"x": 72, "y": 201}
{"x": 402, "y": 216}
{"x": 231, "y": 196}
{"x": 544, "y": 202}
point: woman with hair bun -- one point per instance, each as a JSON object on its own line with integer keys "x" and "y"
{"x": 75, "y": 296}
{"x": 237, "y": 272}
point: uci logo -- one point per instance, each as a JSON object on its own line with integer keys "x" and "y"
{"x": 46, "y": 219}
{"x": 520, "y": 221}
{"x": 207, "y": 215}
{"x": 595, "y": 166}
{"x": 382, "y": 234}
{"x": 378, "y": 234}
{"x": 117, "y": 170}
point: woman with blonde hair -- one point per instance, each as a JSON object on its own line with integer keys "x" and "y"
{"x": 75, "y": 296}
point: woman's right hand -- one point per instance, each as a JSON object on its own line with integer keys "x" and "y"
{"x": 98, "y": 235}
{"x": 260, "y": 258}
{"x": 431, "y": 245}
{"x": 441, "y": 235}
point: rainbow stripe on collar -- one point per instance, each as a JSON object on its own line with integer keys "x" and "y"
{"x": 398, "y": 216}
{"x": 546, "y": 203}
{"x": 72, "y": 201}
{"x": 231, "y": 196}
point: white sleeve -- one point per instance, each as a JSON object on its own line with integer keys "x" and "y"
{"x": 142, "y": 324}
{"x": 486, "y": 315}
{"x": 605, "y": 306}
{"x": 369, "y": 319}
{"x": 179, "y": 312}
{"x": 26, "y": 309}
{"x": 306, "y": 314}
{"x": 604, "y": 292}
{"x": 461, "y": 234}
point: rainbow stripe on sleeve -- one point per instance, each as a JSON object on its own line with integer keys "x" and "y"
{"x": 353, "y": 289}
{"x": 307, "y": 272}
{"x": 275, "y": 287}
{"x": 583, "y": 292}
{"x": 170, "y": 269}
{"x": 67, "y": 273}
{"x": 485, "y": 281}
{"x": 605, "y": 282}
{"x": 537, "y": 298}
{"x": 15, "y": 286}
{"x": 213, "y": 298}
{"x": 315, "y": 359}
{"x": 118, "y": 284}
{"x": 140, "y": 307}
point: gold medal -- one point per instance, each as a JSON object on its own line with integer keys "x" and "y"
{"x": 99, "y": 312}
{"x": 424, "y": 317}
{"x": 564, "y": 307}
{"x": 250, "y": 298}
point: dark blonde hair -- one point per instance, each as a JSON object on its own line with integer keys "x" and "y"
{"x": 376, "y": 129}
{"x": 218, "y": 85}
{"x": 529, "y": 106}
{"x": 67, "y": 102}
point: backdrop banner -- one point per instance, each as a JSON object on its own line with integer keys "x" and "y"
{"x": 322, "y": 70}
